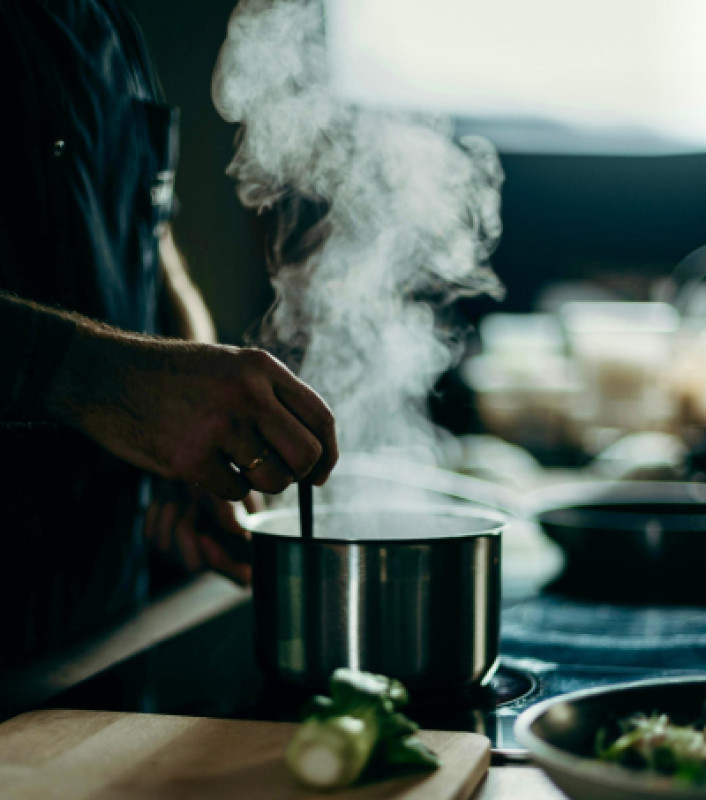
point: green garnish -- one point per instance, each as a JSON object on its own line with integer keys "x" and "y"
{"x": 657, "y": 744}
{"x": 357, "y": 727}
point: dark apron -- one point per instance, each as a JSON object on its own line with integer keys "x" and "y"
{"x": 94, "y": 149}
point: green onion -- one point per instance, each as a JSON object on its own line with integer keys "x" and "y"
{"x": 357, "y": 727}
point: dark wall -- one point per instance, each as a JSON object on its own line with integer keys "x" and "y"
{"x": 221, "y": 241}
{"x": 564, "y": 216}
{"x": 623, "y": 219}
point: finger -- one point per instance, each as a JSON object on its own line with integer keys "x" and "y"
{"x": 219, "y": 560}
{"x": 225, "y": 514}
{"x": 188, "y": 547}
{"x": 253, "y": 503}
{"x": 295, "y": 444}
{"x": 257, "y": 460}
{"x": 223, "y": 479}
{"x": 165, "y": 490}
{"x": 308, "y": 407}
{"x": 165, "y": 526}
{"x": 149, "y": 527}
{"x": 196, "y": 493}
{"x": 271, "y": 475}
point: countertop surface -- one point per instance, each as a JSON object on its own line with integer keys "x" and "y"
{"x": 104, "y": 755}
{"x": 189, "y": 652}
{"x": 204, "y": 628}
{"x": 96, "y": 755}
{"x": 517, "y": 783}
{"x": 175, "y": 634}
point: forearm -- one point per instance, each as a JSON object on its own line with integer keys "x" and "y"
{"x": 187, "y": 411}
{"x": 182, "y": 309}
{"x": 60, "y": 366}
{"x": 34, "y": 342}
{"x": 107, "y": 385}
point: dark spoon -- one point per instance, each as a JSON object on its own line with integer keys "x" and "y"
{"x": 306, "y": 509}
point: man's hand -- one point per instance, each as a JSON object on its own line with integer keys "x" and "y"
{"x": 196, "y": 530}
{"x": 223, "y": 418}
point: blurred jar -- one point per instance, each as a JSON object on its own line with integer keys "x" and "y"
{"x": 687, "y": 375}
{"x": 623, "y": 352}
{"x": 524, "y": 386}
{"x": 512, "y": 337}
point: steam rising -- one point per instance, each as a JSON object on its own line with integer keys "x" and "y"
{"x": 403, "y": 213}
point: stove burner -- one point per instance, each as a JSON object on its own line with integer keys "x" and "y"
{"x": 507, "y": 685}
{"x": 467, "y": 709}
{"x": 510, "y": 684}
{"x": 566, "y": 631}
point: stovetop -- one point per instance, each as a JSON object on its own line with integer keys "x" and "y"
{"x": 550, "y": 645}
{"x": 566, "y": 631}
{"x": 566, "y": 645}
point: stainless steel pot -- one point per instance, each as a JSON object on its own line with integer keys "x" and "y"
{"x": 413, "y": 593}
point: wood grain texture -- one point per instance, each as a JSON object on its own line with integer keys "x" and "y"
{"x": 86, "y": 755}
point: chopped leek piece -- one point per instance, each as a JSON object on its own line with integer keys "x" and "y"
{"x": 356, "y": 727}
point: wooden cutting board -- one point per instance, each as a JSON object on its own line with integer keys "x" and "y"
{"x": 114, "y": 756}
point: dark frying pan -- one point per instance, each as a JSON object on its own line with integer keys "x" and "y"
{"x": 628, "y": 541}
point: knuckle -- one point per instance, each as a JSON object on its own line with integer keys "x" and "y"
{"x": 309, "y": 455}
{"x": 252, "y": 392}
{"x": 328, "y": 424}
{"x": 253, "y": 359}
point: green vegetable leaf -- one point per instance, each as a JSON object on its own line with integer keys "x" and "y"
{"x": 410, "y": 751}
{"x": 357, "y": 726}
{"x": 350, "y": 688}
{"x": 397, "y": 725}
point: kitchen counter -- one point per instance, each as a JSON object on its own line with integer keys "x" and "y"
{"x": 190, "y": 653}
{"x": 182, "y": 610}
{"x": 517, "y": 783}
{"x": 204, "y": 622}
{"x": 99, "y": 754}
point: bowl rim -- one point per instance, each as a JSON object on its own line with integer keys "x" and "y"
{"x": 552, "y": 758}
{"x": 573, "y": 494}
{"x": 496, "y": 519}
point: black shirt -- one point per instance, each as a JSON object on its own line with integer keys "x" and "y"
{"x": 90, "y": 149}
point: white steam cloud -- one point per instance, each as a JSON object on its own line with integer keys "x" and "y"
{"x": 403, "y": 217}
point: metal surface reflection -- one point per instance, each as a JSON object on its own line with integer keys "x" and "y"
{"x": 423, "y": 610}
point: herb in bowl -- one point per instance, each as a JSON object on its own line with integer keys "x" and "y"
{"x": 655, "y": 743}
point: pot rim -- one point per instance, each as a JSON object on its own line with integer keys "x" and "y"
{"x": 496, "y": 520}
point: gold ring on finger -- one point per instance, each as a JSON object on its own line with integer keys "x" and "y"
{"x": 258, "y": 461}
